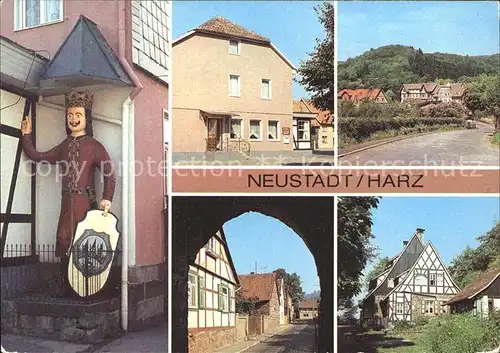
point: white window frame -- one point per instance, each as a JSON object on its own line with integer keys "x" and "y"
{"x": 238, "y": 47}
{"x": 399, "y": 306}
{"x": 20, "y": 15}
{"x": 270, "y": 88}
{"x": 432, "y": 279}
{"x": 390, "y": 283}
{"x": 225, "y": 298}
{"x": 250, "y": 130}
{"x": 242, "y": 128}
{"x": 278, "y": 128}
{"x": 210, "y": 246}
{"x": 239, "y": 85}
{"x": 194, "y": 288}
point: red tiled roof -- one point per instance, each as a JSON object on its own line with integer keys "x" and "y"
{"x": 306, "y": 304}
{"x": 357, "y": 95}
{"x": 479, "y": 285}
{"x": 323, "y": 117}
{"x": 221, "y": 25}
{"x": 260, "y": 285}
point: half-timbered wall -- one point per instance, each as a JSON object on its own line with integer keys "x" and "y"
{"x": 17, "y": 180}
{"x": 423, "y": 290}
{"x": 211, "y": 288}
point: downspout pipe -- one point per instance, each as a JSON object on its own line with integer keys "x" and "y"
{"x": 122, "y": 41}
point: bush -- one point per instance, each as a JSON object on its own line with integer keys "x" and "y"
{"x": 402, "y": 326}
{"x": 359, "y": 129}
{"x": 448, "y": 109}
{"x": 463, "y": 333}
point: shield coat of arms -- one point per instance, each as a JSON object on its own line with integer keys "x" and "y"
{"x": 92, "y": 252}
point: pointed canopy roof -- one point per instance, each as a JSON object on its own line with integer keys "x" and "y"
{"x": 84, "y": 59}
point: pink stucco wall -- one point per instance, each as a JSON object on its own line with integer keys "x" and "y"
{"x": 149, "y": 186}
{"x": 50, "y": 37}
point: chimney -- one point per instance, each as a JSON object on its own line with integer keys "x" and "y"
{"x": 420, "y": 233}
{"x": 405, "y": 242}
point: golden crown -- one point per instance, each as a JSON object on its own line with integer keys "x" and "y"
{"x": 79, "y": 99}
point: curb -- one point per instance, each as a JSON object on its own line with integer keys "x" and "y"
{"x": 260, "y": 340}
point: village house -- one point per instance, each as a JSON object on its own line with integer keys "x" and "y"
{"x": 416, "y": 93}
{"x": 480, "y": 297}
{"x": 120, "y": 53}
{"x": 269, "y": 291}
{"x": 356, "y": 96}
{"x": 312, "y": 128}
{"x": 308, "y": 309}
{"x": 212, "y": 284}
{"x": 415, "y": 283}
{"x": 233, "y": 91}
{"x": 289, "y": 312}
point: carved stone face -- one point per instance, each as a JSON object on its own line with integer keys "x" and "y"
{"x": 76, "y": 120}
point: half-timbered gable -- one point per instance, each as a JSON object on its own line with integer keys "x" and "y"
{"x": 423, "y": 290}
{"x": 211, "y": 287}
{"x": 391, "y": 277}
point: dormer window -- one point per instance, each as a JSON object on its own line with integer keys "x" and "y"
{"x": 234, "y": 47}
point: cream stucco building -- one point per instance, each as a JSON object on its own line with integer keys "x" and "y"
{"x": 233, "y": 91}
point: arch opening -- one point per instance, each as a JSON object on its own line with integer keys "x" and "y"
{"x": 197, "y": 219}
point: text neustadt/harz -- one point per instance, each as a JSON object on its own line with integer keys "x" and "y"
{"x": 273, "y": 180}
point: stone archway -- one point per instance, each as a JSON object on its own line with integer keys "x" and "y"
{"x": 196, "y": 219}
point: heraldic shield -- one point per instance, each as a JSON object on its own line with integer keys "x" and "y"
{"x": 92, "y": 252}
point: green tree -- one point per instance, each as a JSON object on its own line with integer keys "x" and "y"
{"x": 470, "y": 263}
{"x": 377, "y": 269}
{"x": 317, "y": 74}
{"x": 245, "y": 305}
{"x": 354, "y": 246}
{"x": 484, "y": 94}
{"x": 293, "y": 285}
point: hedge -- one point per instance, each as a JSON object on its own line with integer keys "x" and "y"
{"x": 359, "y": 129}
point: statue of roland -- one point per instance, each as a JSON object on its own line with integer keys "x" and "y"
{"x": 78, "y": 155}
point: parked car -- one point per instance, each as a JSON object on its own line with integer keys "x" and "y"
{"x": 470, "y": 124}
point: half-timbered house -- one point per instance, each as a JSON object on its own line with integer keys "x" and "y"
{"x": 415, "y": 283}
{"x": 212, "y": 283}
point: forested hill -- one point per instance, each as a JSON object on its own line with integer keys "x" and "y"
{"x": 388, "y": 67}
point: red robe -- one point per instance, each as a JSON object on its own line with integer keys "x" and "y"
{"x": 78, "y": 158}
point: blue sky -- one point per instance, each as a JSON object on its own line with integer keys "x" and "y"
{"x": 451, "y": 223}
{"x": 292, "y": 26}
{"x": 453, "y": 26}
{"x": 253, "y": 237}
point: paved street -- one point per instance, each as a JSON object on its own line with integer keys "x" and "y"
{"x": 451, "y": 148}
{"x": 297, "y": 338}
{"x": 153, "y": 340}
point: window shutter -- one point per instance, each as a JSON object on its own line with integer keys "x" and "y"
{"x": 219, "y": 290}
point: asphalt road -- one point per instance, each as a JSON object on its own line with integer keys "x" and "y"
{"x": 298, "y": 338}
{"x": 450, "y": 148}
